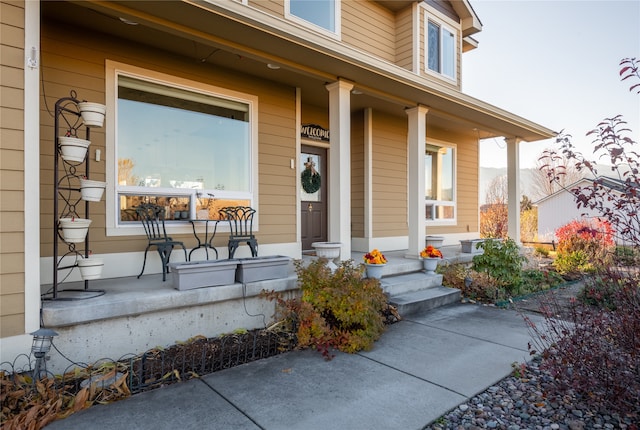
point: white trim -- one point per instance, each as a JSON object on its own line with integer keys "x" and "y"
{"x": 298, "y": 168}
{"x": 452, "y": 27}
{"x": 368, "y": 173}
{"x": 112, "y": 70}
{"x": 454, "y": 174}
{"x": 336, "y": 34}
{"x": 415, "y": 48}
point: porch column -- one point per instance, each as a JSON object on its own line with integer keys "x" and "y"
{"x": 513, "y": 180}
{"x": 416, "y": 141}
{"x": 340, "y": 165}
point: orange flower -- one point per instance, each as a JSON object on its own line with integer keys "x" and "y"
{"x": 375, "y": 257}
{"x": 430, "y": 252}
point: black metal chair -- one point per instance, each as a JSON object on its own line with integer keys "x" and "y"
{"x": 240, "y": 228}
{"x": 152, "y": 217}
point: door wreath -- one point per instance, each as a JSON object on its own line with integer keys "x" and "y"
{"x": 310, "y": 178}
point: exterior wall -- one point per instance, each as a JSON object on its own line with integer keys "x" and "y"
{"x": 76, "y": 63}
{"x": 12, "y": 164}
{"x": 357, "y": 175}
{"x": 369, "y": 27}
{"x": 389, "y": 172}
{"x": 405, "y": 39}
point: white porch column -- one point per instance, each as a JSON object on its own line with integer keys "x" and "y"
{"x": 513, "y": 179}
{"x": 416, "y": 141}
{"x": 340, "y": 165}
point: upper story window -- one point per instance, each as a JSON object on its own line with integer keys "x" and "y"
{"x": 323, "y": 15}
{"x": 188, "y": 148}
{"x": 440, "y": 202}
{"x": 440, "y": 48}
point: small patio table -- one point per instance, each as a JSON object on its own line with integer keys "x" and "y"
{"x": 207, "y": 243}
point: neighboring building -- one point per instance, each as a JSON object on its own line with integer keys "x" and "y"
{"x": 560, "y": 208}
{"x": 383, "y": 77}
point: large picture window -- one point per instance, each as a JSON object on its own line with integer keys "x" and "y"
{"x": 189, "y": 149}
{"x": 441, "y": 49}
{"x": 439, "y": 164}
{"x": 323, "y": 14}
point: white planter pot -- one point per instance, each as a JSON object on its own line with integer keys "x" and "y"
{"x": 90, "y": 268}
{"x": 92, "y": 191}
{"x": 374, "y": 271}
{"x": 328, "y": 250}
{"x": 430, "y": 264}
{"x": 92, "y": 113}
{"x": 73, "y": 149}
{"x": 435, "y": 241}
{"x": 74, "y": 230}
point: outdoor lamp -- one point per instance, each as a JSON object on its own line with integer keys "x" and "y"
{"x": 42, "y": 339}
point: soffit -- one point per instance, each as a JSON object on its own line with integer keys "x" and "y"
{"x": 225, "y": 38}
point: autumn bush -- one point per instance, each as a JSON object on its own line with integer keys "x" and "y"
{"x": 337, "y": 309}
{"x": 584, "y": 246}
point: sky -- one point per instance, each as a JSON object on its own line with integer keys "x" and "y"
{"x": 555, "y": 63}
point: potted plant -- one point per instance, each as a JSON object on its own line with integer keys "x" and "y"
{"x": 92, "y": 113}
{"x": 374, "y": 262}
{"x": 90, "y": 267}
{"x": 74, "y": 230}
{"x": 328, "y": 250}
{"x": 73, "y": 149}
{"x": 91, "y": 191}
{"x": 430, "y": 258}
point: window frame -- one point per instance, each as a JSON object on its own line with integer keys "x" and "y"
{"x": 454, "y": 188}
{"x": 336, "y": 34}
{"x": 113, "y": 225}
{"x": 443, "y": 24}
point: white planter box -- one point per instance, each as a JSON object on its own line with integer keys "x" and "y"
{"x": 200, "y": 274}
{"x": 469, "y": 246}
{"x": 262, "y": 268}
{"x": 435, "y": 241}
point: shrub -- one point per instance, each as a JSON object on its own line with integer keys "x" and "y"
{"x": 339, "y": 309}
{"x": 583, "y": 246}
{"x": 501, "y": 261}
{"x": 596, "y": 354}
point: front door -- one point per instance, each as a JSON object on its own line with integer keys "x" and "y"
{"x": 313, "y": 195}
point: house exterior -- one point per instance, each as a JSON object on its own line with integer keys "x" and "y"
{"x": 560, "y": 208}
{"x": 235, "y": 99}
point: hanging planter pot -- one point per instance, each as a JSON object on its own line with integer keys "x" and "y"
{"x": 90, "y": 268}
{"x": 91, "y": 191}
{"x": 73, "y": 149}
{"x": 74, "y": 230}
{"x": 92, "y": 113}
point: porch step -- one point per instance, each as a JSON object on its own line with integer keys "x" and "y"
{"x": 424, "y": 300}
{"x": 409, "y": 282}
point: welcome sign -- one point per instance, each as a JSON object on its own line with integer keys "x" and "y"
{"x": 315, "y": 132}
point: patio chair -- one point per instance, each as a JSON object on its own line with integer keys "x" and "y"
{"x": 152, "y": 218}
{"x": 240, "y": 220}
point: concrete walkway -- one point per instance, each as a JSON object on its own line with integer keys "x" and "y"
{"x": 421, "y": 368}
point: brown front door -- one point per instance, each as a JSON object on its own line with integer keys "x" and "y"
{"x": 313, "y": 196}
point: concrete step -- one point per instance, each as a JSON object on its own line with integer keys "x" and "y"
{"x": 424, "y": 300}
{"x": 409, "y": 282}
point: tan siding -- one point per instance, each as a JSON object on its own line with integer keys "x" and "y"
{"x": 314, "y": 115}
{"x": 12, "y": 35}
{"x": 357, "y": 175}
{"x": 70, "y": 63}
{"x": 369, "y": 27}
{"x": 389, "y": 175}
{"x": 272, "y": 7}
{"x": 404, "y": 39}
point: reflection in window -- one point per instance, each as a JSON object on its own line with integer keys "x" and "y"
{"x": 441, "y": 49}
{"x": 439, "y": 183}
{"x": 177, "y": 207}
{"x": 322, "y": 13}
{"x": 171, "y": 138}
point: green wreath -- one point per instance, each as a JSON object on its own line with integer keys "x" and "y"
{"x": 310, "y": 180}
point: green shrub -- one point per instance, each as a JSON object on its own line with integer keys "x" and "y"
{"x": 339, "y": 309}
{"x": 501, "y": 261}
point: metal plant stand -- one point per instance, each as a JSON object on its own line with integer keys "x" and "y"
{"x": 67, "y": 203}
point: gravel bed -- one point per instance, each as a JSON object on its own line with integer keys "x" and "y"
{"x": 517, "y": 403}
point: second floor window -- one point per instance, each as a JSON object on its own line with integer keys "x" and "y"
{"x": 441, "y": 49}
{"x": 321, "y": 13}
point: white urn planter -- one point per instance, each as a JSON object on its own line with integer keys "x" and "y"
{"x": 374, "y": 271}
{"x": 430, "y": 264}
{"x": 91, "y": 191}
{"x": 74, "y": 230}
{"x": 91, "y": 267}
{"x": 92, "y": 113}
{"x": 328, "y": 250}
{"x": 73, "y": 149}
